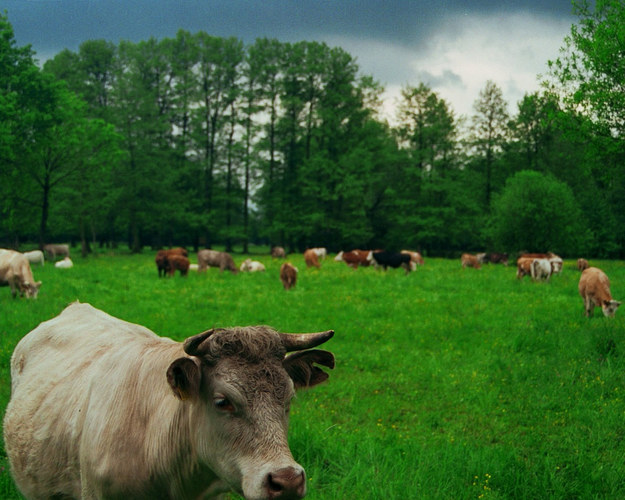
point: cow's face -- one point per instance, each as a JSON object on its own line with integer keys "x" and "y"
{"x": 240, "y": 385}
{"x": 31, "y": 290}
{"x": 609, "y": 307}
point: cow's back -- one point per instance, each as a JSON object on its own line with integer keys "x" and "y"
{"x": 53, "y": 369}
{"x": 594, "y": 283}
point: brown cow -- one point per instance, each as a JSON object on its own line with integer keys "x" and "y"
{"x": 103, "y": 408}
{"x": 469, "y": 260}
{"x": 524, "y": 267}
{"x": 15, "y": 272}
{"x": 278, "y": 253}
{"x": 311, "y": 258}
{"x": 162, "y": 259}
{"x": 354, "y": 258}
{"x": 179, "y": 262}
{"x": 288, "y": 275}
{"x": 582, "y": 264}
{"x": 222, "y": 260}
{"x": 52, "y": 250}
{"x": 594, "y": 287}
{"x": 415, "y": 259}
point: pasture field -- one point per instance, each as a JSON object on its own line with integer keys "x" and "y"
{"x": 450, "y": 383}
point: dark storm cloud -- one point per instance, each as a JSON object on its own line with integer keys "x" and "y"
{"x": 51, "y": 25}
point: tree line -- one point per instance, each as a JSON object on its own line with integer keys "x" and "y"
{"x": 200, "y": 140}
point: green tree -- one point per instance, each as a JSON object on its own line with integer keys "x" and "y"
{"x": 488, "y": 134}
{"x": 538, "y": 213}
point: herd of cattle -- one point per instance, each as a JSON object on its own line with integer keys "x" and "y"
{"x": 594, "y": 286}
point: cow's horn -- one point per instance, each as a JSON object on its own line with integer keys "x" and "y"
{"x": 192, "y": 344}
{"x": 299, "y": 341}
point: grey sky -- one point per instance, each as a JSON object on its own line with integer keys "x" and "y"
{"x": 453, "y": 46}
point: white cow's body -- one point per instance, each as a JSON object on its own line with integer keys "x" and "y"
{"x": 35, "y": 257}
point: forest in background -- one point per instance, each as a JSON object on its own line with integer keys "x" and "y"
{"x": 199, "y": 141}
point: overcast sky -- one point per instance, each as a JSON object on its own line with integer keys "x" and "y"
{"x": 454, "y": 46}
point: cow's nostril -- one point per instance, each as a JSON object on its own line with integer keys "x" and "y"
{"x": 286, "y": 484}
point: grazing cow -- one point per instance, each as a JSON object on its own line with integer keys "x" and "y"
{"x": 582, "y": 264}
{"x": 222, "y": 260}
{"x": 385, "y": 260}
{"x": 54, "y": 250}
{"x": 179, "y": 262}
{"x": 321, "y": 252}
{"x": 252, "y": 266}
{"x": 469, "y": 260}
{"x": 556, "y": 260}
{"x": 66, "y": 263}
{"x": 35, "y": 257}
{"x": 288, "y": 275}
{"x": 311, "y": 258}
{"x": 278, "y": 253}
{"x": 541, "y": 269}
{"x": 15, "y": 272}
{"x": 162, "y": 260}
{"x": 497, "y": 258}
{"x": 594, "y": 287}
{"x": 103, "y": 408}
{"x": 415, "y": 259}
{"x": 524, "y": 267}
{"x": 354, "y": 258}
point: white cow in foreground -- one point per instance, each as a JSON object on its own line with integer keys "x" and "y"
{"x": 35, "y": 257}
{"x": 594, "y": 287}
{"x": 16, "y": 273}
{"x": 101, "y": 409}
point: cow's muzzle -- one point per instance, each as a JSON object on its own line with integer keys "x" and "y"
{"x": 288, "y": 483}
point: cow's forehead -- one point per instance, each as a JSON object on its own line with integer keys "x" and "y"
{"x": 253, "y": 344}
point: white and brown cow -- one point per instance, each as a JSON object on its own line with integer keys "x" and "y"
{"x": 594, "y": 287}
{"x": 101, "y": 408}
{"x": 15, "y": 272}
{"x": 469, "y": 260}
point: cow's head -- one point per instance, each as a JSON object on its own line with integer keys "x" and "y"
{"x": 30, "y": 290}
{"x": 239, "y": 384}
{"x": 609, "y": 307}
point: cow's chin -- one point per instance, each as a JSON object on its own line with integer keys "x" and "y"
{"x": 274, "y": 481}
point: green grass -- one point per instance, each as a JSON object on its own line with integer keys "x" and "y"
{"x": 450, "y": 383}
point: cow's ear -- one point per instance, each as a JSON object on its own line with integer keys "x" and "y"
{"x": 183, "y": 376}
{"x": 300, "y": 367}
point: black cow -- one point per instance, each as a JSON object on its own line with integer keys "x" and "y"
{"x": 391, "y": 259}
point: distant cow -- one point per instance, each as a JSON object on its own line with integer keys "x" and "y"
{"x": 56, "y": 250}
{"x": 180, "y": 263}
{"x": 311, "y": 258}
{"x": 541, "y": 269}
{"x": 354, "y": 258}
{"x": 321, "y": 252}
{"x": 497, "y": 258}
{"x": 162, "y": 259}
{"x": 594, "y": 287}
{"x": 582, "y": 264}
{"x": 15, "y": 272}
{"x": 35, "y": 257}
{"x": 278, "y": 253}
{"x": 213, "y": 258}
{"x": 385, "y": 260}
{"x": 469, "y": 260}
{"x": 66, "y": 263}
{"x": 415, "y": 259}
{"x": 102, "y": 408}
{"x": 251, "y": 266}
{"x": 524, "y": 267}
{"x": 288, "y": 275}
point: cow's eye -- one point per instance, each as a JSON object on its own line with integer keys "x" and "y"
{"x": 223, "y": 404}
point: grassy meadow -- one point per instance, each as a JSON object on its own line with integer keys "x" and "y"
{"x": 450, "y": 383}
